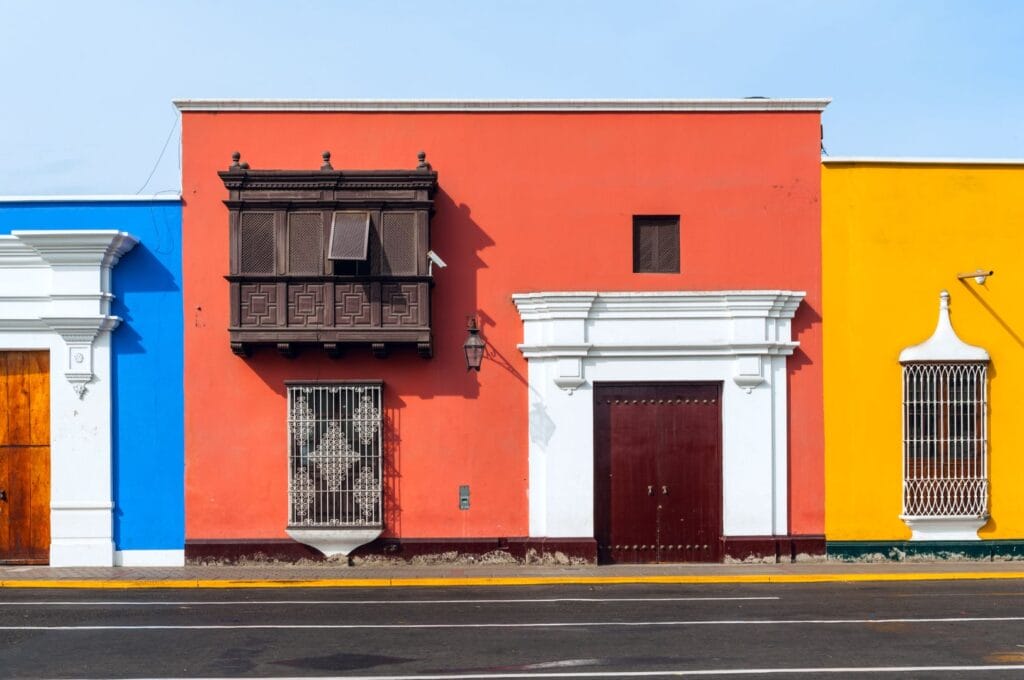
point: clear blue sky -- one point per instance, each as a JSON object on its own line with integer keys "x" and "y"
{"x": 87, "y": 86}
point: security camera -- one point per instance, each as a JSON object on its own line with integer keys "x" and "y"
{"x": 434, "y": 258}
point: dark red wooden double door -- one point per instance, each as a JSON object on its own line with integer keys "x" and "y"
{"x": 658, "y": 472}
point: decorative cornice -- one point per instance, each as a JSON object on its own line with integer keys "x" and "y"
{"x": 747, "y": 326}
{"x": 505, "y": 105}
{"x": 15, "y": 253}
{"x": 102, "y": 247}
{"x": 249, "y": 185}
{"x": 659, "y": 304}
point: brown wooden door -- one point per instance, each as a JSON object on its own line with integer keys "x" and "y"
{"x": 658, "y": 472}
{"x": 24, "y": 457}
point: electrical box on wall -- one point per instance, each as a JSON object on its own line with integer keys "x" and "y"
{"x": 464, "y": 497}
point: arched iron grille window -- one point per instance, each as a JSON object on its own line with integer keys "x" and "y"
{"x": 945, "y": 440}
{"x": 334, "y": 454}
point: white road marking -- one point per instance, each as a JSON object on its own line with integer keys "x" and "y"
{"x": 554, "y": 624}
{"x": 567, "y": 663}
{"x": 835, "y": 670}
{"x": 215, "y": 603}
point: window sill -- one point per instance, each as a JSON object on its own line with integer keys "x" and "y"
{"x": 334, "y": 541}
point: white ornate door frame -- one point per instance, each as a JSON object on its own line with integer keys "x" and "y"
{"x": 741, "y": 338}
{"x": 55, "y": 296}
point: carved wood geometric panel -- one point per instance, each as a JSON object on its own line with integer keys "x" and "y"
{"x": 353, "y": 304}
{"x": 306, "y": 304}
{"x": 400, "y": 304}
{"x": 259, "y": 304}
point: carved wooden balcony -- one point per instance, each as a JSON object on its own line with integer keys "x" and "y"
{"x": 330, "y": 258}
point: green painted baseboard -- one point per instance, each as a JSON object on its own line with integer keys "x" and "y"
{"x": 940, "y": 550}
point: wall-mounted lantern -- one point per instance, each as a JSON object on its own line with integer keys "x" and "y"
{"x": 474, "y": 346}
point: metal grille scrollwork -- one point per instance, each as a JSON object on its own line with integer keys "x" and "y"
{"x": 945, "y": 440}
{"x": 334, "y": 455}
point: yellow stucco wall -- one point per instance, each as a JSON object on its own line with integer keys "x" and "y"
{"x": 893, "y": 237}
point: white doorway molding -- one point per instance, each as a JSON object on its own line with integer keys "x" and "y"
{"x": 740, "y": 338}
{"x": 55, "y": 295}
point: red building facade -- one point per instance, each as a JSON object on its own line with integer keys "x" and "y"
{"x": 661, "y": 255}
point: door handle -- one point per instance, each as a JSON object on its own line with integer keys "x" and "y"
{"x": 664, "y": 491}
{"x": 3, "y": 494}
{"x": 650, "y": 490}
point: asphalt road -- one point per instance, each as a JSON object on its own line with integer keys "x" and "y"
{"x": 913, "y": 630}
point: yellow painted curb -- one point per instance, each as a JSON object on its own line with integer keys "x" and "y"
{"x": 440, "y": 582}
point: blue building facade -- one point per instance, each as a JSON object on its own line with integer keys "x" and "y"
{"x": 146, "y": 441}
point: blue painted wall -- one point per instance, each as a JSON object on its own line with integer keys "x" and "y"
{"x": 148, "y": 401}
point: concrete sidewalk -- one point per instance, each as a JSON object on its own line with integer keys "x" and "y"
{"x": 276, "y": 575}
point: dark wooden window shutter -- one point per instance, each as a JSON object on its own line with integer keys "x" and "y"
{"x": 656, "y": 244}
{"x": 350, "y": 234}
{"x": 398, "y": 239}
{"x": 305, "y": 243}
{"x": 256, "y": 234}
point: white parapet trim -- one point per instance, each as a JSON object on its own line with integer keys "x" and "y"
{"x": 739, "y": 338}
{"x": 504, "y": 105}
{"x": 917, "y": 160}
{"x": 93, "y": 198}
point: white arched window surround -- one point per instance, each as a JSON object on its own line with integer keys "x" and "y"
{"x": 945, "y": 435}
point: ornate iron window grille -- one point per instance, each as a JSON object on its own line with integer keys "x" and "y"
{"x": 945, "y": 440}
{"x": 335, "y": 448}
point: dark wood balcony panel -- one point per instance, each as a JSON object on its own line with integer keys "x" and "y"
{"x": 258, "y": 304}
{"x": 289, "y": 288}
{"x": 337, "y": 335}
{"x": 365, "y": 311}
{"x": 306, "y": 305}
{"x": 405, "y": 304}
{"x": 357, "y": 305}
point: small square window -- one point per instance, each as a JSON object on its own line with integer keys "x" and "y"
{"x": 656, "y": 244}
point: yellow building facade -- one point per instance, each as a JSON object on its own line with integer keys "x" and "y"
{"x": 894, "y": 235}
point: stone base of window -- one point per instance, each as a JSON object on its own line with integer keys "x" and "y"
{"x": 334, "y": 542}
{"x": 944, "y": 528}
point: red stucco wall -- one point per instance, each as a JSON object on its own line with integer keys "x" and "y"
{"x": 527, "y": 202}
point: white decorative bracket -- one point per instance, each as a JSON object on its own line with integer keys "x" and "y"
{"x": 748, "y": 372}
{"x": 78, "y": 334}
